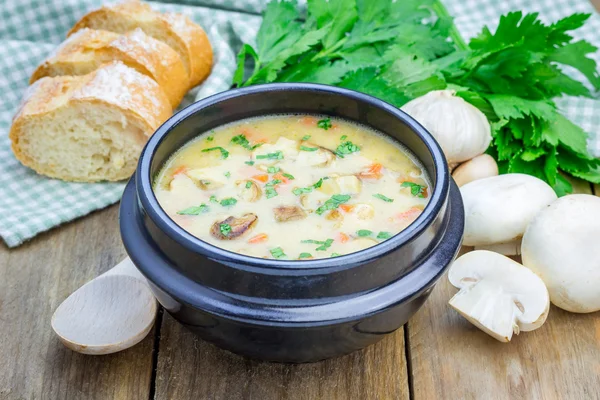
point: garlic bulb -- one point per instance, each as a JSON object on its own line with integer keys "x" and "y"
{"x": 461, "y": 130}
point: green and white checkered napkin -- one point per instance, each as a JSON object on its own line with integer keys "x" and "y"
{"x": 30, "y": 29}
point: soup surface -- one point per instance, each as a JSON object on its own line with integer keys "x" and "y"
{"x": 292, "y": 187}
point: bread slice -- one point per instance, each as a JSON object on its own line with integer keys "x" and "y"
{"x": 176, "y": 30}
{"x": 84, "y": 51}
{"x": 88, "y": 128}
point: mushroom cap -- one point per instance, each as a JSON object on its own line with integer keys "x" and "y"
{"x": 562, "y": 246}
{"x": 497, "y": 294}
{"x": 499, "y": 208}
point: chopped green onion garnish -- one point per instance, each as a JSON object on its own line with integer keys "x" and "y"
{"x": 344, "y": 137}
{"x": 278, "y": 155}
{"x": 299, "y": 191}
{"x": 230, "y": 201}
{"x": 382, "y": 197}
{"x": 195, "y": 210}
{"x": 304, "y": 148}
{"x": 415, "y": 189}
{"x": 227, "y": 174}
{"x": 249, "y": 162}
{"x": 325, "y": 245}
{"x": 210, "y": 138}
{"x": 273, "y": 170}
{"x": 248, "y": 184}
{"x": 324, "y": 123}
{"x": 304, "y": 138}
{"x": 224, "y": 153}
{"x": 290, "y": 177}
{"x": 273, "y": 182}
{"x": 213, "y": 199}
{"x": 364, "y": 232}
{"x": 305, "y": 255}
{"x": 335, "y": 254}
{"x": 277, "y": 252}
{"x": 225, "y": 229}
{"x": 384, "y": 235}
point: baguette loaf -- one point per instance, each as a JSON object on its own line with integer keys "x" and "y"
{"x": 84, "y": 51}
{"x": 88, "y": 128}
{"x": 176, "y": 30}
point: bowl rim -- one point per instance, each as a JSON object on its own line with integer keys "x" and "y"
{"x": 152, "y": 208}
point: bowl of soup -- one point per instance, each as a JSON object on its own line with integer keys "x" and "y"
{"x": 292, "y": 222}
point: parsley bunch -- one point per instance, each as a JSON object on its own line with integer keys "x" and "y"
{"x": 401, "y": 50}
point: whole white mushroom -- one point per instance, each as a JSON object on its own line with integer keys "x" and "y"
{"x": 562, "y": 246}
{"x": 499, "y": 208}
{"x": 462, "y": 131}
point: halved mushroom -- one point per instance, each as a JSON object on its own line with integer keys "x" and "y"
{"x": 206, "y": 178}
{"x": 346, "y": 184}
{"x": 498, "y": 295}
{"x": 321, "y": 157}
{"x": 233, "y": 227}
{"x": 288, "y": 213}
{"x": 287, "y": 147}
{"x": 499, "y": 208}
{"x": 248, "y": 190}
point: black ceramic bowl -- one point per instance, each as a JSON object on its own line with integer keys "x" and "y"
{"x": 291, "y": 311}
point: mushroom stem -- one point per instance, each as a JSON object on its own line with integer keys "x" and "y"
{"x": 482, "y": 166}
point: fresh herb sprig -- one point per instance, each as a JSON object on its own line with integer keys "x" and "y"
{"x": 399, "y": 50}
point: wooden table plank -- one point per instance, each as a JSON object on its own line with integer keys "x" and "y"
{"x": 191, "y": 368}
{"x": 452, "y": 359}
{"x": 35, "y": 279}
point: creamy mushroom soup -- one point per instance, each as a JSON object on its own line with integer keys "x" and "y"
{"x": 293, "y": 187}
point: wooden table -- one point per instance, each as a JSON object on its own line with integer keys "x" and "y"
{"x": 436, "y": 355}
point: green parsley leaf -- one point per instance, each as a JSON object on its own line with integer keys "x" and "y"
{"x": 305, "y": 138}
{"x": 289, "y": 176}
{"x": 273, "y": 170}
{"x": 304, "y": 148}
{"x": 270, "y": 192}
{"x": 248, "y": 184}
{"x": 364, "y": 232}
{"x": 225, "y": 229}
{"x": 278, "y": 155}
{"x": 227, "y": 174}
{"x": 333, "y": 203}
{"x": 327, "y": 244}
{"x": 335, "y": 254}
{"x": 213, "y": 199}
{"x": 309, "y": 189}
{"x": 384, "y": 235}
{"x": 249, "y": 163}
{"x": 277, "y": 252}
{"x": 210, "y": 138}
{"x": 415, "y": 189}
{"x": 384, "y": 198}
{"x": 273, "y": 182}
{"x": 242, "y": 141}
{"x": 305, "y": 255}
{"x": 224, "y": 153}
{"x": 343, "y": 137}
{"x": 324, "y": 124}
{"x": 194, "y": 210}
{"x": 346, "y": 148}
{"x": 230, "y": 201}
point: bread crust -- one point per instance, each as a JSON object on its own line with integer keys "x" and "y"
{"x": 87, "y": 49}
{"x": 137, "y": 97}
{"x": 186, "y": 37}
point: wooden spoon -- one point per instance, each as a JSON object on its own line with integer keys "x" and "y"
{"x": 110, "y": 313}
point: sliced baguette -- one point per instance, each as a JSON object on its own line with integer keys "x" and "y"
{"x": 84, "y": 51}
{"x": 178, "y": 31}
{"x": 88, "y": 128}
